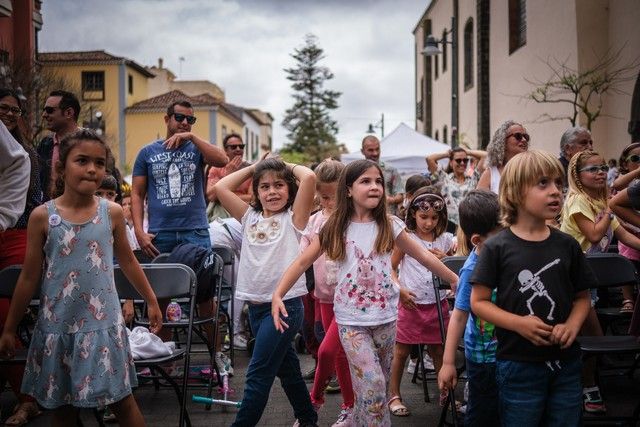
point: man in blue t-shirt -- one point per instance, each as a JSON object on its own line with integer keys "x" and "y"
{"x": 479, "y": 218}
{"x": 170, "y": 173}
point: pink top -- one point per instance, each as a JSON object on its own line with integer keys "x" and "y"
{"x": 216, "y": 174}
{"x": 324, "y": 270}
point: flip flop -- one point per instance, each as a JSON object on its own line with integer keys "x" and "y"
{"x": 398, "y": 409}
{"x": 23, "y": 413}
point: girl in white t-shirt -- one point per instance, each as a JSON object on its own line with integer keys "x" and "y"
{"x": 359, "y": 236}
{"x": 426, "y": 222}
{"x": 271, "y": 230}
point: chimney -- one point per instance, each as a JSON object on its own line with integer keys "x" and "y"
{"x": 160, "y": 63}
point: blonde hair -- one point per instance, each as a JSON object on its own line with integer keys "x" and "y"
{"x": 523, "y": 171}
{"x": 575, "y": 185}
{"x": 332, "y": 234}
{"x": 328, "y": 171}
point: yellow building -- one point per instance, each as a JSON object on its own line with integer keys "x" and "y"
{"x": 145, "y": 120}
{"x": 105, "y": 84}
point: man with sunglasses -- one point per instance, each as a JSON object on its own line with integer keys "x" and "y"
{"x": 170, "y": 174}
{"x": 234, "y": 149}
{"x": 60, "y": 116}
{"x": 392, "y": 180}
{"x": 573, "y": 140}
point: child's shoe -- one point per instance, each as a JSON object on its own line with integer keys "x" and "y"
{"x": 593, "y": 402}
{"x": 428, "y": 363}
{"x": 344, "y": 419}
{"x": 411, "y": 367}
{"x": 223, "y": 363}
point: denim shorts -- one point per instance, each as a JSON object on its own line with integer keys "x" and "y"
{"x": 165, "y": 241}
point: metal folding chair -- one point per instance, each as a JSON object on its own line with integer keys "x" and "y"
{"x": 167, "y": 281}
{"x": 612, "y": 270}
{"x": 227, "y": 292}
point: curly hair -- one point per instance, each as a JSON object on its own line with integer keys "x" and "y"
{"x": 495, "y": 149}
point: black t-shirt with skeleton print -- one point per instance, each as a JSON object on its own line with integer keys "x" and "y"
{"x": 539, "y": 278}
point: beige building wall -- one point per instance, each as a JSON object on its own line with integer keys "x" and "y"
{"x": 575, "y": 32}
{"x": 198, "y": 87}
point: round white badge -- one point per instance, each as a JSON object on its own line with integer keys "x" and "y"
{"x": 55, "y": 220}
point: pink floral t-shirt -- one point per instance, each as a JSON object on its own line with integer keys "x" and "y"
{"x": 365, "y": 294}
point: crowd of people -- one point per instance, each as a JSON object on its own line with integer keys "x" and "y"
{"x": 345, "y": 255}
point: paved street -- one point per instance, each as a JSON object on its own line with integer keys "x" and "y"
{"x": 160, "y": 408}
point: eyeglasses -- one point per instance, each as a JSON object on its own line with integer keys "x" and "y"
{"x": 235, "y": 147}
{"x": 49, "y": 110}
{"x": 4, "y": 108}
{"x": 634, "y": 158}
{"x": 520, "y": 136}
{"x": 421, "y": 202}
{"x": 595, "y": 169}
{"x": 462, "y": 161}
{"x": 180, "y": 118}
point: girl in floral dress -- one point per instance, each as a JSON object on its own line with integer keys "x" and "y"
{"x": 79, "y": 354}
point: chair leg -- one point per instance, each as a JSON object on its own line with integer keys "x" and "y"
{"x": 184, "y": 415}
{"x": 423, "y": 370}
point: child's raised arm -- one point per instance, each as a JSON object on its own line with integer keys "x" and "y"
{"x": 131, "y": 267}
{"x": 289, "y": 278}
{"x": 530, "y": 327}
{"x": 225, "y": 188}
{"x": 593, "y": 231}
{"x": 28, "y": 281}
{"x": 426, "y": 258}
{"x": 303, "y": 204}
{"x": 621, "y": 205}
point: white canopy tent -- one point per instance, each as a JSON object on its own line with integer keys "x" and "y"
{"x": 405, "y": 149}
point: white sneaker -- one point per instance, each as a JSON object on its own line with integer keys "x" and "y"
{"x": 428, "y": 363}
{"x": 223, "y": 363}
{"x": 344, "y": 419}
{"x": 239, "y": 342}
{"x": 411, "y": 367}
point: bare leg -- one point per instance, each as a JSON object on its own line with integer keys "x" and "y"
{"x": 127, "y": 412}
{"x": 400, "y": 354}
{"x": 590, "y": 327}
{"x": 436, "y": 351}
{"x": 208, "y": 309}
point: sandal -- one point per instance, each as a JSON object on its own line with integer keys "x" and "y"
{"x": 398, "y": 410}
{"x": 627, "y": 306}
{"x": 23, "y": 413}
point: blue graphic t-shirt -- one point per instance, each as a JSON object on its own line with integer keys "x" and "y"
{"x": 175, "y": 187}
{"x": 479, "y": 336}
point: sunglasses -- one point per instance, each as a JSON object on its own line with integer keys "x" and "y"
{"x": 520, "y": 136}
{"x": 6, "y": 108}
{"x": 595, "y": 169}
{"x": 50, "y": 110}
{"x": 180, "y": 118}
{"x": 421, "y": 202}
{"x": 634, "y": 158}
{"x": 235, "y": 147}
{"x": 462, "y": 161}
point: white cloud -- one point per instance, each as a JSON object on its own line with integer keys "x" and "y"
{"x": 244, "y": 45}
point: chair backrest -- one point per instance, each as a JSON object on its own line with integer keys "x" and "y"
{"x": 224, "y": 252}
{"x": 612, "y": 269}
{"x": 167, "y": 281}
{"x": 453, "y": 263}
{"x": 9, "y": 279}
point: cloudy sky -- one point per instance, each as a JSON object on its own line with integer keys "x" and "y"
{"x": 243, "y": 46}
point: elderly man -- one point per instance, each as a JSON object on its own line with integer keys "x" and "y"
{"x": 394, "y": 190}
{"x": 573, "y": 140}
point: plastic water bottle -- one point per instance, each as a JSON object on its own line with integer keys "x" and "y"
{"x": 174, "y": 312}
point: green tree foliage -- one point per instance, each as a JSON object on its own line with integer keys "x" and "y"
{"x": 312, "y": 131}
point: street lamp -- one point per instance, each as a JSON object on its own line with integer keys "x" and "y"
{"x": 430, "y": 49}
{"x": 378, "y": 125}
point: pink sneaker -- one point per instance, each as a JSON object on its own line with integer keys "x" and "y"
{"x": 344, "y": 419}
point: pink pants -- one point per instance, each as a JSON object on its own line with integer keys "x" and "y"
{"x": 369, "y": 350}
{"x": 331, "y": 358}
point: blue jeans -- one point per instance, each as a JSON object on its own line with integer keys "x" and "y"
{"x": 482, "y": 404}
{"x": 166, "y": 241}
{"x": 273, "y": 355}
{"x": 545, "y": 393}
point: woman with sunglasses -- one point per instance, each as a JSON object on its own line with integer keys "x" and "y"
{"x": 454, "y": 183}
{"x": 13, "y": 245}
{"x": 510, "y": 139}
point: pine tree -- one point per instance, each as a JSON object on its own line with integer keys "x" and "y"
{"x": 312, "y": 131}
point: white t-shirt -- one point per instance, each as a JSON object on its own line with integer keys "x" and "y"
{"x": 365, "y": 294}
{"x": 269, "y": 246}
{"x": 417, "y": 278}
